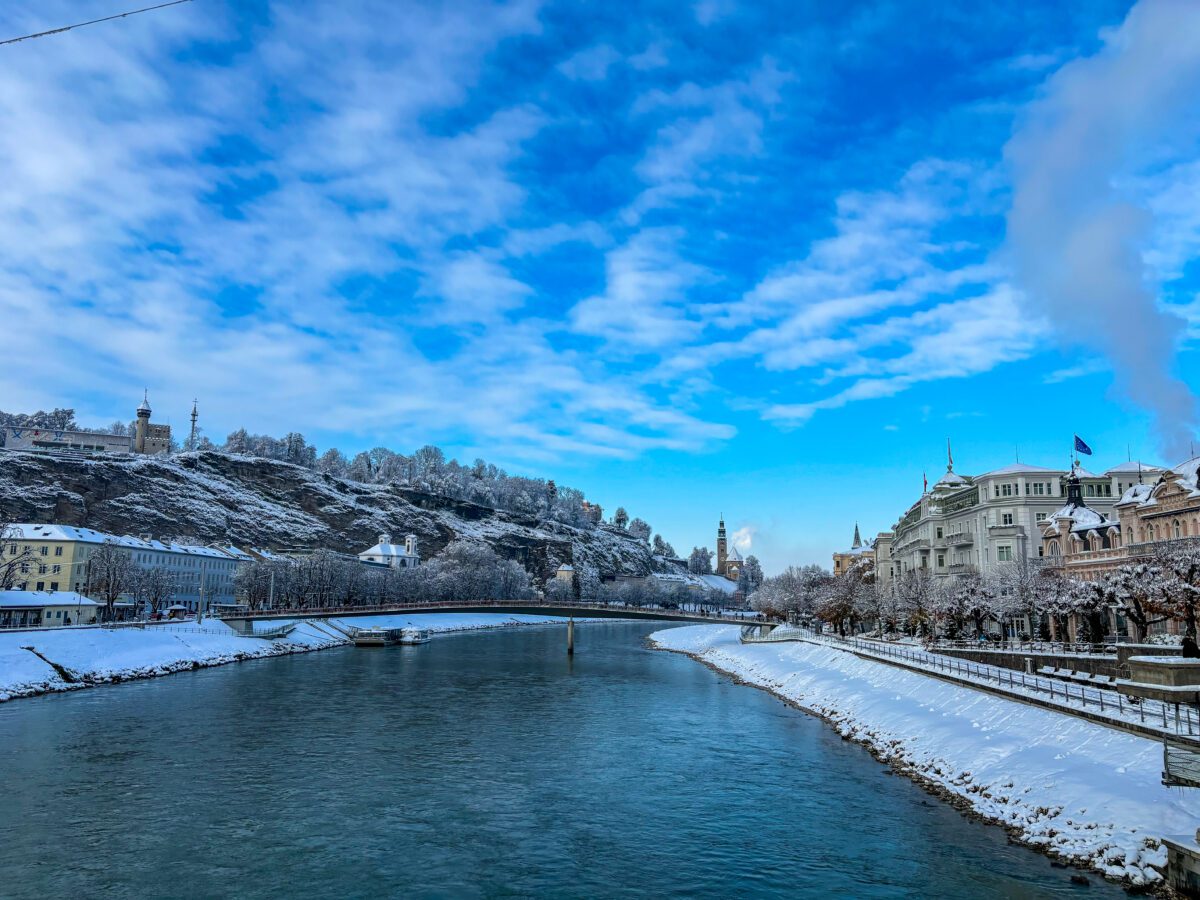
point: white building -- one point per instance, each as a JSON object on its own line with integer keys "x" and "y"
{"x": 398, "y": 556}
{"x": 977, "y": 522}
{"x": 45, "y": 609}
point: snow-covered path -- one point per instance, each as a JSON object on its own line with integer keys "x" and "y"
{"x": 38, "y": 662}
{"x": 1061, "y": 783}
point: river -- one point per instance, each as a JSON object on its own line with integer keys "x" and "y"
{"x": 478, "y": 765}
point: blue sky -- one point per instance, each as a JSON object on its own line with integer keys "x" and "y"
{"x": 760, "y": 259}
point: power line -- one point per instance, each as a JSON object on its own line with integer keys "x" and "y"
{"x": 132, "y": 12}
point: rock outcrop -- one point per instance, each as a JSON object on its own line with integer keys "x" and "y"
{"x": 257, "y": 502}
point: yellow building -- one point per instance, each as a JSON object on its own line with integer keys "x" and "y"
{"x": 53, "y": 557}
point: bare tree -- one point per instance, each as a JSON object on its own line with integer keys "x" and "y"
{"x": 110, "y": 574}
{"x": 15, "y": 557}
{"x": 153, "y": 587}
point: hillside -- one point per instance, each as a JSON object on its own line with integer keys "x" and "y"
{"x": 250, "y": 501}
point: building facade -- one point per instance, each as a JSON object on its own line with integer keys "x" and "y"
{"x": 1158, "y": 507}
{"x": 397, "y": 556}
{"x": 729, "y": 561}
{"x": 975, "y": 523}
{"x": 58, "y": 561}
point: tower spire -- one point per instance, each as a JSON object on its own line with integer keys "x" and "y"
{"x": 949, "y": 457}
{"x": 192, "y": 437}
{"x": 857, "y": 539}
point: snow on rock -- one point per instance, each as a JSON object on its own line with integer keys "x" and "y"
{"x": 1060, "y": 783}
{"x": 252, "y": 502}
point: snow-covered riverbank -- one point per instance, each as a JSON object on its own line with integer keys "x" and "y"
{"x": 64, "y": 659}
{"x": 1059, "y": 783}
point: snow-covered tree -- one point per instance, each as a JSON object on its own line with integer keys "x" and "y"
{"x": 1179, "y": 565}
{"x": 750, "y": 576}
{"x": 700, "y": 561}
{"x": 662, "y": 548}
{"x": 640, "y": 530}
{"x": 620, "y": 517}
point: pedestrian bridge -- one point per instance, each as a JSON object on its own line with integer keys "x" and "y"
{"x": 581, "y": 610}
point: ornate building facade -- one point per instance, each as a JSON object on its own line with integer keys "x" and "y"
{"x": 974, "y": 523}
{"x": 1161, "y": 506}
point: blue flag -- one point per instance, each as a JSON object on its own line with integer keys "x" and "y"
{"x": 1081, "y": 447}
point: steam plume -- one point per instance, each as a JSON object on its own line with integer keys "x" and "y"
{"x": 1074, "y": 240}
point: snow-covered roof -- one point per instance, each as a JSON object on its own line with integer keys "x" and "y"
{"x": 733, "y": 555}
{"x": 1084, "y": 473}
{"x": 1082, "y": 519}
{"x": 38, "y": 599}
{"x": 386, "y": 550}
{"x": 35, "y": 532}
{"x": 720, "y": 583}
{"x": 951, "y": 479}
{"x": 1133, "y": 467}
{"x": 1136, "y": 493}
{"x": 565, "y": 567}
{"x": 1023, "y": 469}
{"x": 1188, "y": 474}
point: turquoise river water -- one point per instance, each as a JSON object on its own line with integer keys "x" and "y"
{"x": 478, "y": 765}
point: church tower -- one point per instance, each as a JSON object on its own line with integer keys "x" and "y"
{"x": 722, "y": 547}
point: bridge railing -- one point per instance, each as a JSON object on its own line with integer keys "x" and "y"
{"x": 415, "y": 608}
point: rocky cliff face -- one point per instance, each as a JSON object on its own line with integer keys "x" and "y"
{"x": 261, "y": 503}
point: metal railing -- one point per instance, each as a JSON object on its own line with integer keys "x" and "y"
{"x": 730, "y": 616}
{"x": 1177, "y": 719}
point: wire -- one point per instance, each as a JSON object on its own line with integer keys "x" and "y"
{"x": 132, "y": 12}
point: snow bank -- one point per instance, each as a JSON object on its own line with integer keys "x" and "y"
{"x": 36, "y": 662}
{"x": 1060, "y": 783}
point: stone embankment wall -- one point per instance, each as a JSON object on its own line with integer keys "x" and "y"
{"x": 1092, "y": 663}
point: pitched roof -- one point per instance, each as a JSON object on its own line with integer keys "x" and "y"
{"x": 1132, "y": 468}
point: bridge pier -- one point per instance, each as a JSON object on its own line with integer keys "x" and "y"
{"x": 571, "y": 636}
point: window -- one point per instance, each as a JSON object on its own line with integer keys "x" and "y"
{"x": 1038, "y": 489}
{"x": 12, "y": 549}
{"x": 1004, "y": 553}
{"x": 42, "y": 570}
{"x": 939, "y": 531}
{"x": 41, "y": 585}
{"x": 1090, "y": 491}
{"x": 1006, "y": 519}
{"x": 1006, "y": 490}
{"x": 54, "y": 585}
{"x": 941, "y": 560}
{"x": 55, "y": 569}
{"x": 24, "y": 568}
{"x": 995, "y": 490}
{"x": 58, "y": 551}
{"x": 1039, "y": 517}
{"x": 1177, "y": 533}
{"x": 44, "y": 550}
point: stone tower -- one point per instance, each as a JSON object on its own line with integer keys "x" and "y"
{"x": 143, "y": 423}
{"x": 722, "y": 546}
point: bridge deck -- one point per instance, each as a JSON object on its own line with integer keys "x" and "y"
{"x": 565, "y": 610}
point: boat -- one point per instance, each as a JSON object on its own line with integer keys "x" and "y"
{"x": 374, "y": 637}
{"x": 413, "y": 636}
